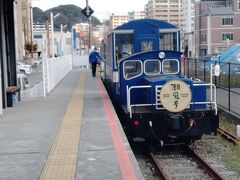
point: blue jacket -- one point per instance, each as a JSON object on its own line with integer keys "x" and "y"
{"x": 94, "y": 57}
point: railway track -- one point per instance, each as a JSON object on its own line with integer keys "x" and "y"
{"x": 225, "y": 134}
{"x": 182, "y": 164}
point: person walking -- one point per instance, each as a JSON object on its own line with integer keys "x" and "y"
{"x": 93, "y": 60}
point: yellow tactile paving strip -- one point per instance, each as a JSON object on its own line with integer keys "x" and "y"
{"x": 61, "y": 162}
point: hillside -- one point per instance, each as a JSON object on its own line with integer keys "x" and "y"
{"x": 69, "y": 15}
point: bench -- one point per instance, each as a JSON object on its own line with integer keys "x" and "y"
{"x": 11, "y": 90}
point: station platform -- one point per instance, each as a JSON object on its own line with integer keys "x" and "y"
{"x": 74, "y": 133}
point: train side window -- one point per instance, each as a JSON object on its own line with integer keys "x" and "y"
{"x": 170, "y": 66}
{"x": 132, "y": 69}
{"x": 152, "y": 67}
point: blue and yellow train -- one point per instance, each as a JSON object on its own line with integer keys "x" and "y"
{"x": 142, "y": 73}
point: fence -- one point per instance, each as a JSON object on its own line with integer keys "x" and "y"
{"x": 35, "y": 91}
{"x": 54, "y": 70}
{"x": 80, "y": 61}
{"x": 57, "y": 69}
{"x": 228, "y": 83}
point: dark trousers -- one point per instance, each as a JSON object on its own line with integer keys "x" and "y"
{"x": 94, "y": 65}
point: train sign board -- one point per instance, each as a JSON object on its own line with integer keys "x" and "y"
{"x": 87, "y": 11}
{"x": 175, "y": 96}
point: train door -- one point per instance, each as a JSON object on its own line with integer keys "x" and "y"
{"x": 123, "y": 47}
{"x": 146, "y": 43}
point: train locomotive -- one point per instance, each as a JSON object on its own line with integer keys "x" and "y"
{"x": 142, "y": 73}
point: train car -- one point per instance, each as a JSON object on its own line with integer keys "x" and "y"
{"x": 142, "y": 73}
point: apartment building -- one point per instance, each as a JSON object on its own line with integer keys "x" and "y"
{"x": 136, "y": 15}
{"x": 81, "y": 28}
{"x": 40, "y": 27}
{"x": 217, "y": 26}
{"x": 167, "y": 10}
{"x": 117, "y": 19}
{"x": 103, "y": 29}
{"x": 188, "y": 27}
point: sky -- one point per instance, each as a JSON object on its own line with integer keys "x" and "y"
{"x": 102, "y": 8}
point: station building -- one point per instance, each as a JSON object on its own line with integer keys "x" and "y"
{"x": 7, "y": 50}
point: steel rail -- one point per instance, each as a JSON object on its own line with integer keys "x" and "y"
{"x": 158, "y": 168}
{"x": 225, "y": 134}
{"x": 206, "y": 166}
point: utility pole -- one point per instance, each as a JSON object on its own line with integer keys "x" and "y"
{"x": 52, "y": 32}
{"x": 48, "y": 44}
{"x": 61, "y": 41}
{"x": 25, "y": 38}
{"x": 52, "y": 37}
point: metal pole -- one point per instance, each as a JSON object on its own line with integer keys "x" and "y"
{"x": 61, "y": 47}
{"x": 229, "y": 87}
{"x": 89, "y": 21}
{"x": 211, "y": 74}
{"x": 51, "y": 16}
{"x": 87, "y": 7}
{"x": 195, "y": 64}
{"x": 90, "y": 34}
{"x": 204, "y": 70}
{"x": 44, "y": 56}
{"x": 31, "y": 29}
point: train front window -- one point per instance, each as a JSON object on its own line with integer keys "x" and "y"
{"x": 132, "y": 69}
{"x": 170, "y": 66}
{"x": 152, "y": 67}
{"x": 168, "y": 41}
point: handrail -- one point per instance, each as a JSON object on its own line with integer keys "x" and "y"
{"x": 213, "y": 100}
{"x": 129, "y": 105}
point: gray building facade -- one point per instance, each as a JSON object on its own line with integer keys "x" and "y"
{"x": 217, "y": 26}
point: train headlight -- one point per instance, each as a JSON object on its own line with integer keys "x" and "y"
{"x": 161, "y": 55}
{"x": 175, "y": 96}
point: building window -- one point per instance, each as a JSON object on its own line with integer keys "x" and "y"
{"x": 221, "y": 49}
{"x": 227, "y": 21}
{"x": 203, "y": 38}
{"x": 227, "y": 36}
{"x": 238, "y": 4}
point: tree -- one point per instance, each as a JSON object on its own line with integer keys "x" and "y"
{"x": 31, "y": 47}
